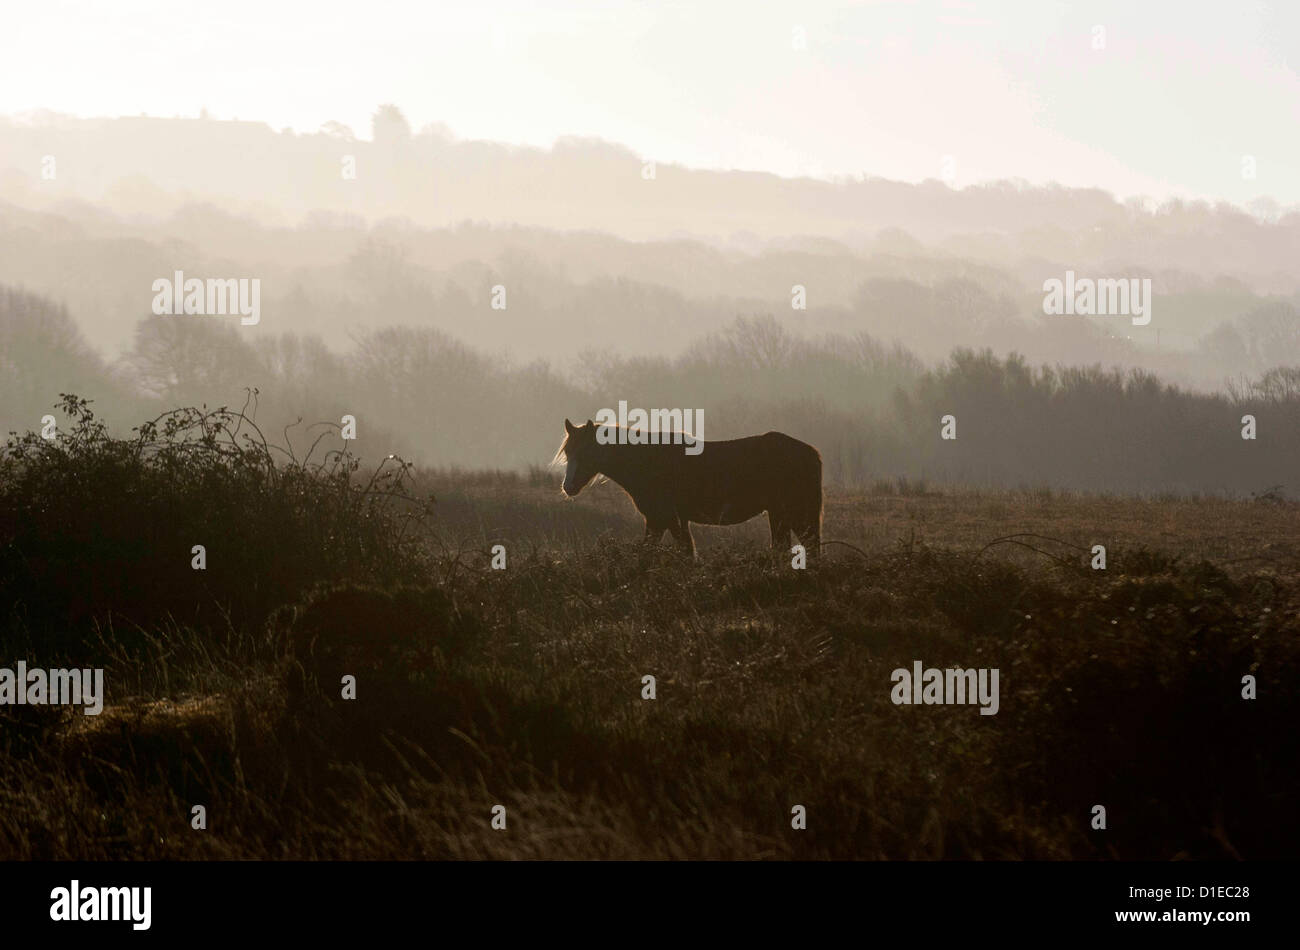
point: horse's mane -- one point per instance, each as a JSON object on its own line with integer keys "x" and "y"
{"x": 665, "y": 436}
{"x": 560, "y": 455}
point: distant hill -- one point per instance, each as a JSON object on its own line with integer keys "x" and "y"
{"x": 155, "y": 166}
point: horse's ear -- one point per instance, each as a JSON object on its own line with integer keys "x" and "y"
{"x": 590, "y": 424}
{"x": 568, "y": 427}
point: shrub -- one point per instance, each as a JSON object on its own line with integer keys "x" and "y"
{"x": 97, "y": 531}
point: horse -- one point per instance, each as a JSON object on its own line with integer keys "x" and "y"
{"x": 721, "y": 482}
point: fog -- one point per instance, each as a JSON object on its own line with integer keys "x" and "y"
{"x": 462, "y": 297}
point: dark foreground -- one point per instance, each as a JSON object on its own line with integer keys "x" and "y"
{"x": 524, "y": 687}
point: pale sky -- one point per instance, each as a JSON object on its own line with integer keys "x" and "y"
{"x": 1179, "y": 94}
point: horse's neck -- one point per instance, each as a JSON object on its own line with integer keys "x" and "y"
{"x": 620, "y": 465}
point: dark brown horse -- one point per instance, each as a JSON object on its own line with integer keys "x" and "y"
{"x": 723, "y": 482}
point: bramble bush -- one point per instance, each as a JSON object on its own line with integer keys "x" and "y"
{"x": 98, "y": 531}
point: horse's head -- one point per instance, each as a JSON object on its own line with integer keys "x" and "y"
{"x": 579, "y": 454}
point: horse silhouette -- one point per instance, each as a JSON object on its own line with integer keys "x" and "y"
{"x": 725, "y": 483}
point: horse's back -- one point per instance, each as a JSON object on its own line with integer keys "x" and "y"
{"x": 732, "y": 480}
{"x": 787, "y": 453}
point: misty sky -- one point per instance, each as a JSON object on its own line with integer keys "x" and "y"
{"x": 1178, "y": 95}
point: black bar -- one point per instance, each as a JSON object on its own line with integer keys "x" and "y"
{"x": 658, "y": 901}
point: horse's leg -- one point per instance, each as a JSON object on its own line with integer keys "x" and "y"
{"x": 653, "y": 533}
{"x": 811, "y": 539}
{"x": 809, "y": 530}
{"x": 681, "y": 530}
{"x": 780, "y": 531}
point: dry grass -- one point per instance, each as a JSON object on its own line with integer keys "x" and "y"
{"x": 523, "y": 687}
{"x": 1218, "y": 529}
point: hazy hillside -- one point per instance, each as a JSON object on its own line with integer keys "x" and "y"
{"x": 462, "y": 298}
{"x": 566, "y": 293}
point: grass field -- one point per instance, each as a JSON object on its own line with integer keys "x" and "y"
{"x": 478, "y": 506}
{"x": 524, "y": 687}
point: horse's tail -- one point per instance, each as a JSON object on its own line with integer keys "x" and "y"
{"x": 810, "y": 517}
{"x": 819, "y": 492}
{"x": 820, "y": 501}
